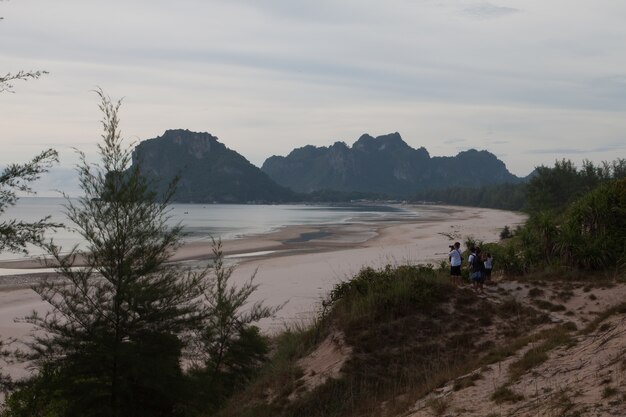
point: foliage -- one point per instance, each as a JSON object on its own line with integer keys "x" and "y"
{"x": 408, "y": 330}
{"x": 589, "y": 234}
{"x": 225, "y": 322}
{"x": 506, "y": 233}
{"x": 36, "y": 398}
{"x": 7, "y": 80}
{"x": 111, "y": 341}
{"x": 508, "y": 196}
{"x": 507, "y": 257}
{"x": 471, "y": 242}
{"x": 16, "y": 235}
{"x": 334, "y": 196}
{"x": 227, "y": 347}
{"x": 593, "y": 233}
{"x": 540, "y": 236}
{"x": 387, "y": 292}
{"x": 553, "y": 189}
{"x": 505, "y": 394}
{"x": 546, "y": 189}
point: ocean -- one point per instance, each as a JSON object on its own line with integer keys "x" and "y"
{"x": 200, "y": 221}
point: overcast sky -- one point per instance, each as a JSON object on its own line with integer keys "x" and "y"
{"x": 529, "y": 80}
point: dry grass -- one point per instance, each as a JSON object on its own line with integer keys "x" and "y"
{"x": 438, "y": 405}
{"x": 550, "y": 339}
{"x": 504, "y": 394}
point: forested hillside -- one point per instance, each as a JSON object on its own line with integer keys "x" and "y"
{"x": 546, "y": 188}
{"x": 383, "y": 165}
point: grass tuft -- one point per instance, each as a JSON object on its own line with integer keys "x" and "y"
{"x": 609, "y": 392}
{"x": 552, "y": 338}
{"x": 546, "y": 305}
{"x": 504, "y": 394}
{"x": 438, "y": 405}
{"x": 468, "y": 381}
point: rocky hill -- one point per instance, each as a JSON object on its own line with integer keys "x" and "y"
{"x": 208, "y": 170}
{"x": 385, "y": 164}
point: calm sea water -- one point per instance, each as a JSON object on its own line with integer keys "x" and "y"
{"x": 228, "y": 221}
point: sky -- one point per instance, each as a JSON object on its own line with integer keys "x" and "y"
{"x": 531, "y": 81}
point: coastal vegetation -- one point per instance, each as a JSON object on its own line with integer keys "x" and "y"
{"x": 132, "y": 335}
{"x": 546, "y": 188}
{"x": 410, "y": 331}
{"x": 129, "y": 334}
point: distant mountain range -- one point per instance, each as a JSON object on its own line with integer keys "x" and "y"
{"x": 384, "y": 166}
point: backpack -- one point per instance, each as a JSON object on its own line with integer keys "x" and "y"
{"x": 476, "y": 264}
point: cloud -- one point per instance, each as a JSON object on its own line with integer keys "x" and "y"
{"x": 266, "y": 77}
{"x": 576, "y": 151}
{"x": 453, "y": 141}
{"x": 488, "y": 11}
{"x": 556, "y": 151}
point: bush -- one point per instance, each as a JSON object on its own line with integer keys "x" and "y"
{"x": 589, "y": 235}
{"x": 505, "y": 395}
{"x": 506, "y": 257}
{"x": 594, "y": 229}
{"x": 388, "y": 292}
{"x": 506, "y": 233}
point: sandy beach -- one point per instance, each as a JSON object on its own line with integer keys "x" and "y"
{"x": 299, "y": 265}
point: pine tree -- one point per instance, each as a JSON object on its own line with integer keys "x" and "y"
{"x": 227, "y": 348}
{"x": 111, "y": 345}
{"x": 16, "y": 235}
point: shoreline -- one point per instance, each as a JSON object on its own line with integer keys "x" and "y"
{"x": 288, "y": 241}
{"x": 300, "y": 264}
{"x": 279, "y": 242}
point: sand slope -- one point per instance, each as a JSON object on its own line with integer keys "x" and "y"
{"x": 587, "y": 378}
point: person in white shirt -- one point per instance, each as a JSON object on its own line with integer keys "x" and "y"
{"x": 456, "y": 259}
{"x": 488, "y": 267}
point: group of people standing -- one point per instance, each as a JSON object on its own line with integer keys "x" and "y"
{"x": 480, "y": 266}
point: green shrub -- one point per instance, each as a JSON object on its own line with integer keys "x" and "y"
{"x": 506, "y": 257}
{"x": 505, "y": 394}
{"x": 594, "y": 230}
{"x": 388, "y": 292}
